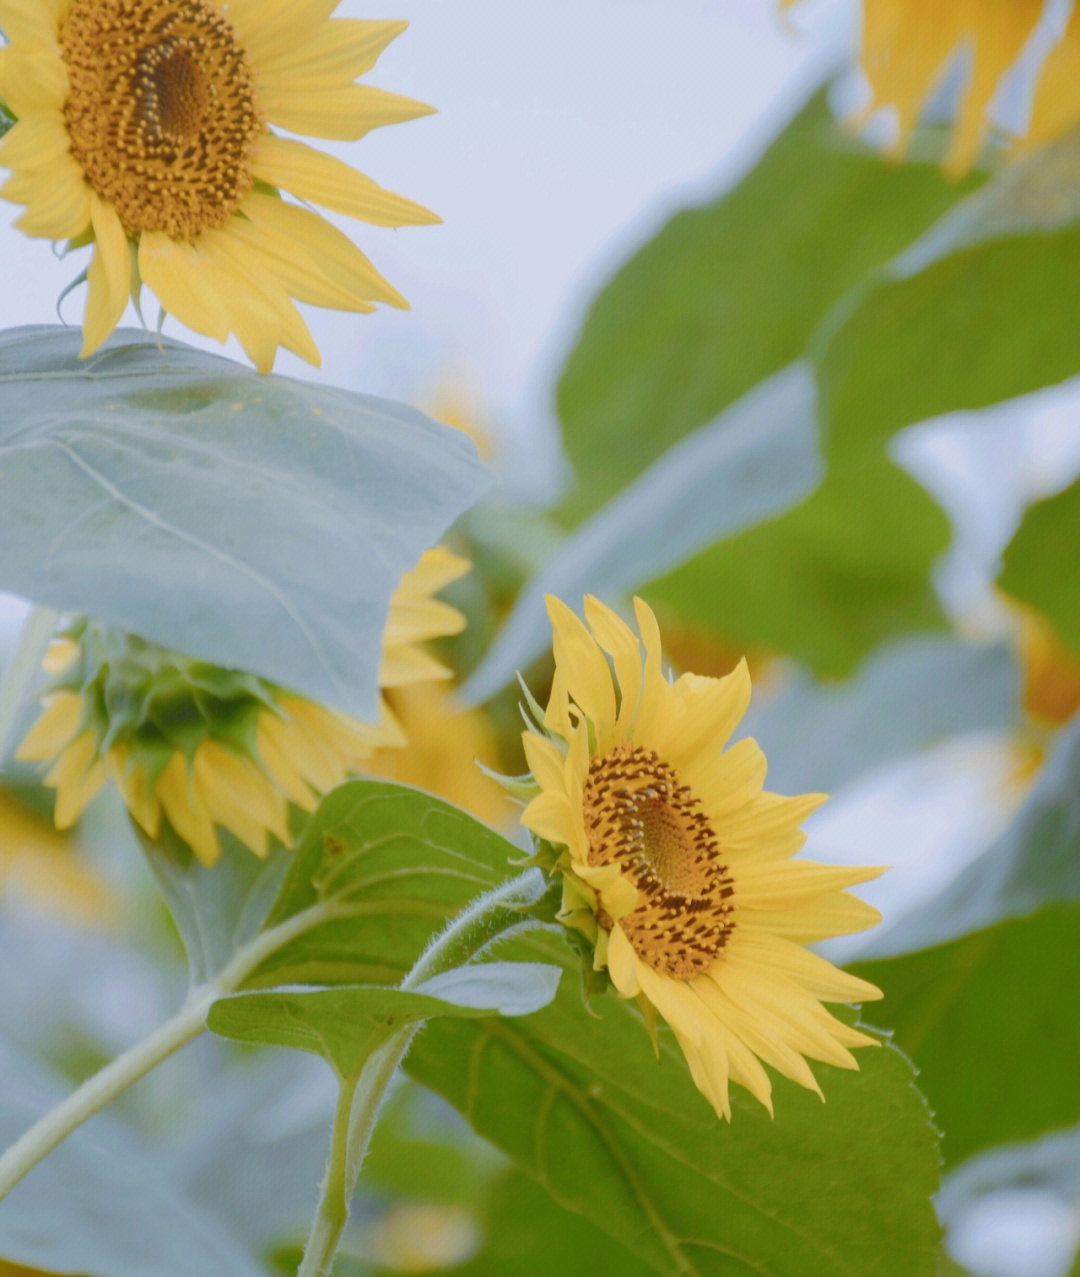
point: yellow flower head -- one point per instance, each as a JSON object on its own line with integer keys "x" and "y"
{"x": 678, "y": 866}
{"x": 200, "y": 746}
{"x": 144, "y": 128}
{"x": 908, "y": 47}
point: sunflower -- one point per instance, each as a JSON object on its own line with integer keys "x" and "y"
{"x": 909, "y": 46}
{"x": 200, "y": 746}
{"x": 446, "y": 742}
{"x": 144, "y": 129}
{"x": 678, "y": 867}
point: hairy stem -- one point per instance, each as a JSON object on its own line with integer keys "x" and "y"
{"x": 362, "y": 1094}
{"x": 138, "y": 1060}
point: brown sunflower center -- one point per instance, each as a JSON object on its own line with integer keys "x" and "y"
{"x": 160, "y": 111}
{"x": 639, "y": 817}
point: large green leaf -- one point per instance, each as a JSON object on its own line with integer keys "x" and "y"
{"x": 579, "y": 1100}
{"x": 982, "y": 325}
{"x": 828, "y": 580}
{"x": 1042, "y": 562}
{"x": 758, "y": 457}
{"x": 993, "y": 1022}
{"x": 101, "y": 1204}
{"x": 254, "y": 521}
{"x": 344, "y": 1023}
{"x": 729, "y": 293}
{"x": 576, "y": 1097}
{"x": 380, "y": 869}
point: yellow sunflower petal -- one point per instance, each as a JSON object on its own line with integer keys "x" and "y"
{"x": 342, "y": 49}
{"x": 291, "y": 265}
{"x": 1056, "y": 107}
{"x": 33, "y": 22}
{"x": 330, "y": 252}
{"x": 270, "y": 28}
{"x": 59, "y": 721}
{"x": 616, "y": 638}
{"x": 186, "y": 285}
{"x": 57, "y": 200}
{"x": 134, "y": 786}
{"x": 185, "y": 810}
{"x": 77, "y": 775}
{"x": 257, "y": 309}
{"x": 59, "y": 655}
{"x": 588, "y": 677}
{"x": 280, "y": 767}
{"x": 322, "y": 179}
{"x": 109, "y": 276}
{"x": 241, "y": 792}
{"x": 343, "y": 113}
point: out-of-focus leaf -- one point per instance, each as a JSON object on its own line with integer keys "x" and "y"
{"x": 1051, "y": 1162}
{"x": 254, "y": 521}
{"x": 993, "y": 1022}
{"x": 100, "y": 1204}
{"x": 1035, "y": 192}
{"x": 828, "y": 580}
{"x": 729, "y": 293}
{"x": 581, "y": 1103}
{"x": 983, "y": 325}
{"x": 1035, "y": 861}
{"x": 1042, "y": 562}
{"x": 343, "y": 1024}
{"x": 907, "y": 697}
{"x": 758, "y": 457}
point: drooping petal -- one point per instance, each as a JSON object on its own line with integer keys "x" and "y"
{"x": 109, "y": 276}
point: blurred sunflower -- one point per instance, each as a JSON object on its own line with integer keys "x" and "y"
{"x": 200, "y": 746}
{"x": 446, "y": 741}
{"x": 40, "y": 864}
{"x": 677, "y": 867}
{"x": 908, "y": 46}
{"x": 143, "y": 128}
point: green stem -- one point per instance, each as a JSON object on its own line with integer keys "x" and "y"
{"x": 105, "y": 1085}
{"x": 362, "y": 1094}
{"x": 23, "y": 668}
{"x": 333, "y": 1209}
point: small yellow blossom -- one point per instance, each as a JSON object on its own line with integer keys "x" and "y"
{"x": 678, "y": 867}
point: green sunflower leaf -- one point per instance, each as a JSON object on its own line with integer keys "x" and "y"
{"x": 706, "y": 311}
{"x": 575, "y": 1096}
{"x": 345, "y": 1023}
{"x": 995, "y": 1038}
{"x": 380, "y": 869}
{"x": 905, "y": 697}
{"x": 1042, "y": 562}
{"x": 253, "y": 521}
